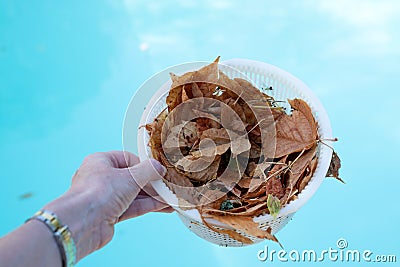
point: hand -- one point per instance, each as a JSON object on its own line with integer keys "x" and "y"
{"x": 106, "y": 189}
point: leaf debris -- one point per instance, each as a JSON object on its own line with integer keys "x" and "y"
{"x": 232, "y": 151}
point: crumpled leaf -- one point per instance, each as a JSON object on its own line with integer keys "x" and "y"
{"x": 334, "y": 167}
{"x": 247, "y": 225}
{"x": 260, "y": 169}
{"x": 239, "y": 145}
{"x": 246, "y": 211}
{"x": 232, "y": 233}
{"x": 296, "y": 132}
{"x": 274, "y": 187}
{"x": 297, "y": 168}
{"x": 231, "y": 121}
{"x": 219, "y": 136}
{"x": 207, "y": 73}
{"x": 210, "y": 151}
{"x": 199, "y": 169}
{"x": 308, "y": 175}
{"x": 181, "y": 135}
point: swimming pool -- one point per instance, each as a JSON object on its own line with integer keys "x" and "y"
{"x": 68, "y": 71}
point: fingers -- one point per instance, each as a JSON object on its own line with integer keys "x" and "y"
{"x": 166, "y": 210}
{"x": 115, "y": 159}
{"x": 145, "y": 171}
{"x": 123, "y": 159}
{"x": 148, "y": 190}
{"x": 142, "y": 206}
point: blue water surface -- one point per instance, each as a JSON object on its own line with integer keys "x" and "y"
{"x": 68, "y": 70}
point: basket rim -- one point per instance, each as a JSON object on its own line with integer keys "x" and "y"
{"x": 325, "y": 131}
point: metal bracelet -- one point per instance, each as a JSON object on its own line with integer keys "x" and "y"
{"x": 62, "y": 235}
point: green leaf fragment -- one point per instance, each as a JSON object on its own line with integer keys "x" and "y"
{"x": 274, "y": 205}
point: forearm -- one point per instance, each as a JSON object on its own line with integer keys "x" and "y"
{"x": 32, "y": 244}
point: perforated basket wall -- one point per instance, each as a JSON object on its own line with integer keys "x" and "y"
{"x": 285, "y": 86}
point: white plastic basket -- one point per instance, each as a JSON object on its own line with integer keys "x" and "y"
{"x": 285, "y": 86}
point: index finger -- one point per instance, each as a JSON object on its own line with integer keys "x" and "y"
{"x": 122, "y": 159}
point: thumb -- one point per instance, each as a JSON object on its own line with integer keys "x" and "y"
{"x": 145, "y": 171}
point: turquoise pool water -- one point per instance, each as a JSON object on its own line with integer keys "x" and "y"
{"x": 68, "y": 71}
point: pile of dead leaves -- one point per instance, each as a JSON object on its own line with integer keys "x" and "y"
{"x": 232, "y": 151}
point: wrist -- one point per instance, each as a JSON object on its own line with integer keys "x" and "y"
{"x": 77, "y": 212}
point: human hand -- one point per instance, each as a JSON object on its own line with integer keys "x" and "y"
{"x": 106, "y": 189}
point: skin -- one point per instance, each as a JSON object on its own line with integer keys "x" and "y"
{"x": 106, "y": 189}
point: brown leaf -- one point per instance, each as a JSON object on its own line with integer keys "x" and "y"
{"x": 334, "y": 167}
{"x": 210, "y": 151}
{"x": 274, "y": 187}
{"x": 219, "y": 136}
{"x": 309, "y": 174}
{"x": 203, "y": 114}
{"x": 231, "y": 175}
{"x": 231, "y": 121}
{"x": 278, "y": 167}
{"x": 245, "y": 182}
{"x": 256, "y": 192}
{"x": 297, "y": 168}
{"x": 198, "y": 169}
{"x": 208, "y": 73}
{"x": 176, "y": 178}
{"x": 232, "y": 233}
{"x": 247, "y": 225}
{"x": 255, "y": 150}
{"x": 175, "y": 94}
{"x": 209, "y": 196}
{"x": 250, "y": 210}
{"x": 260, "y": 169}
{"x": 296, "y": 132}
{"x": 239, "y": 144}
{"x": 196, "y": 92}
{"x": 175, "y": 138}
{"x": 185, "y": 96}
{"x": 234, "y": 105}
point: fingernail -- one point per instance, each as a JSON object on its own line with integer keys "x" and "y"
{"x": 160, "y": 168}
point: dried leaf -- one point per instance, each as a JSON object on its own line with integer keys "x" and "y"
{"x": 334, "y": 167}
{"x": 231, "y": 121}
{"x": 239, "y": 145}
{"x": 209, "y": 150}
{"x": 196, "y": 92}
{"x": 232, "y": 233}
{"x": 247, "y": 211}
{"x": 309, "y": 175}
{"x": 219, "y": 136}
{"x": 175, "y": 138}
{"x": 255, "y": 150}
{"x": 245, "y": 182}
{"x": 274, "y": 187}
{"x": 199, "y": 169}
{"x": 203, "y": 114}
{"x": 208, "y": 73}
{"x": 260, "y": 170}
{"x": 247, "y": 225}
{"x": 296, "y": 132}
{"x": 297, "y": 167}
